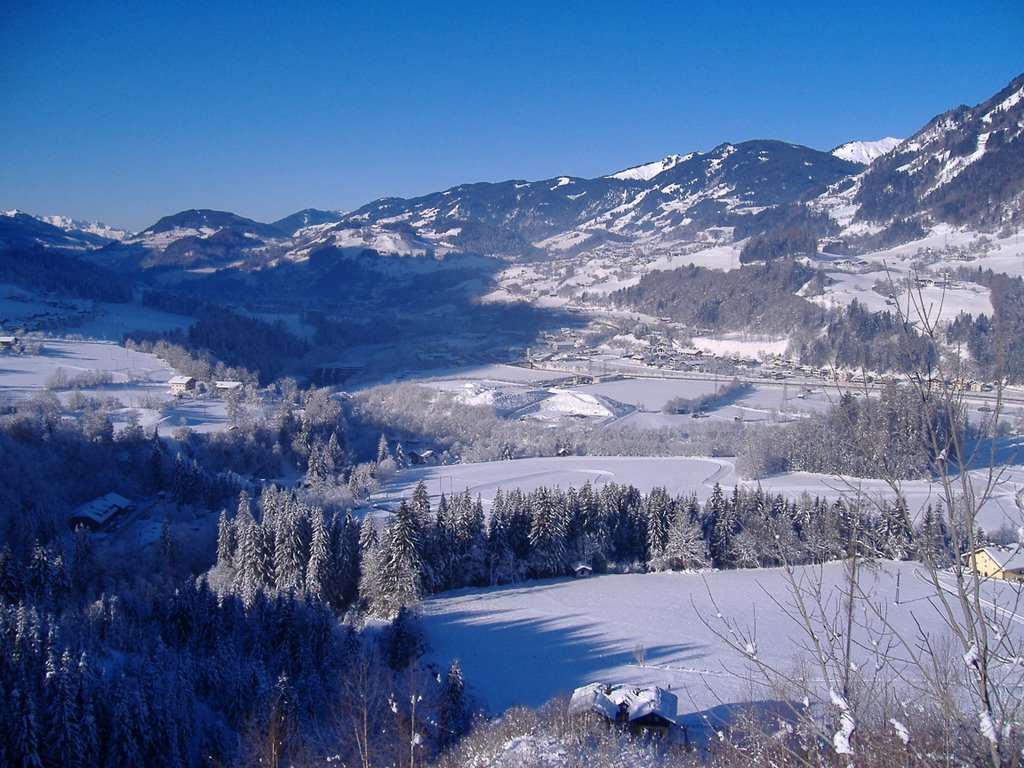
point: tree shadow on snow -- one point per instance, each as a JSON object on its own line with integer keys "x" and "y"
{"x": 517, "y": 660}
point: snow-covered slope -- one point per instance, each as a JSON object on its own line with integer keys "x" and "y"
{"x": 648, "y": 171}
{"x": 965, "y": 168}
{"x": 865, "y": 152}
{"x": 669, "y": 201}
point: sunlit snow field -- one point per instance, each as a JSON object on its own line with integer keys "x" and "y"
{"x": 522, "y": 645}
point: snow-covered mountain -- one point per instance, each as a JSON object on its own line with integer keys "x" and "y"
{"x": 202, "y": 238}
{"x": 865, "y": 152}
{"x": 91, "y": 227}
{"x": 310, "y": 217}
{"x": 669, "y": 201}
{"x": 964, "y": 168}
{"x": 23, "y": 230}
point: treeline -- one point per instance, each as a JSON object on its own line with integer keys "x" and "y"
{"x": 731, "y": 391}
{"x": 116, "y": 654}
{"x": 755, "y": 295}
{"x": 43, "y": 270}
{"x": 222, "y": 335}
{"x": 291, "y": 547}
{"x": 201, "y": 365}
{"x": 780, "y": 244}
{"x": 856, "y": 338}
{"x": 901, "y": 434}
{"x": 53, "y": 463}
{"x": 471, "y": 433}
{"x": 996, "y": 344}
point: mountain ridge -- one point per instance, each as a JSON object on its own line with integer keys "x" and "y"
{"x": 964, "y": 167}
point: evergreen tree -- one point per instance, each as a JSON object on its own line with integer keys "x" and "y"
{"x": 398, "y": 582}
{"x": 319, "y": 566}
{"x": 658, "y": 509}
{"x": 25, "y": 728}
{"x": 895, "y": 533}
{"x": 166, "y": 543}
{"x": 447, "y": 573}
{"x": 291, "y": 547}
{"x": 502, "y": 565}
{"x": 348, "y": 560}
{"x": 63, "y": 741}
{"x": 453, "y": 716}
{"x": 179, "y": 483}
{"x": 124, "y": 724}
{"x": 547, "y": 536}
{"x": 403, "y": 642}
{"x": 685, "y": 547}
{"x": 471, "y": 541}
{"x": 88, "y": 734}
{"x": 83, "y": 560}
{"x": 226, "y": 541}
{"x": 383, "y": 449}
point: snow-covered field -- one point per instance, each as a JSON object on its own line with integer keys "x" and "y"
{"x": 27, "y": 373}
{"x": 138, "y": 382}
{"x": 522, "y": 645}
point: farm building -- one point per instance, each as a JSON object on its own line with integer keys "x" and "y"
{"x": 181, "y": 384}
{"x": 99, "y": 513}
{"x": 997, "y": 563}
{"x": 643, "y": 710}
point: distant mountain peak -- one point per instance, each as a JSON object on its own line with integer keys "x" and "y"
{"x": 69, "y": 224}
{"x": 866, "y": 152}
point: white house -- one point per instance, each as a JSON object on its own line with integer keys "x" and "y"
{"x": 181, "y": 384}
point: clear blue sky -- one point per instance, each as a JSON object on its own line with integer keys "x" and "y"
{"x": 125, "y": 112}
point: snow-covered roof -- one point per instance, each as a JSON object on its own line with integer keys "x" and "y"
{"x": 1008, "y": 560}
{"x": 638, "y": 701}
{"x": 227, "y": 384}
{"x": 100, "y": 511}
{"x": 180, "y": 380}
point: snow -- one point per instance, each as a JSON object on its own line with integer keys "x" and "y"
{"x": 648, "y": 171}
{"x": 901, "y": 730}
{"x": 741, "y": 345}
{"x": 988, "y": 727}
{"x": 1011, "y": 101}
{"x": 652, "y": 394}
{"x": 676, "y": 475}
{"x": 866, "y": 152}
{"x": 138, "y": 380}
{"x": 92, "y": 227}
{"x": 524, "y": 644}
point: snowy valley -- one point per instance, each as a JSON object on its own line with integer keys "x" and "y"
{"x": 743, "y": 425}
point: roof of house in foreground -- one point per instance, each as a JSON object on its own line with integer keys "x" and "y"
{"x": 639, "y": 701}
